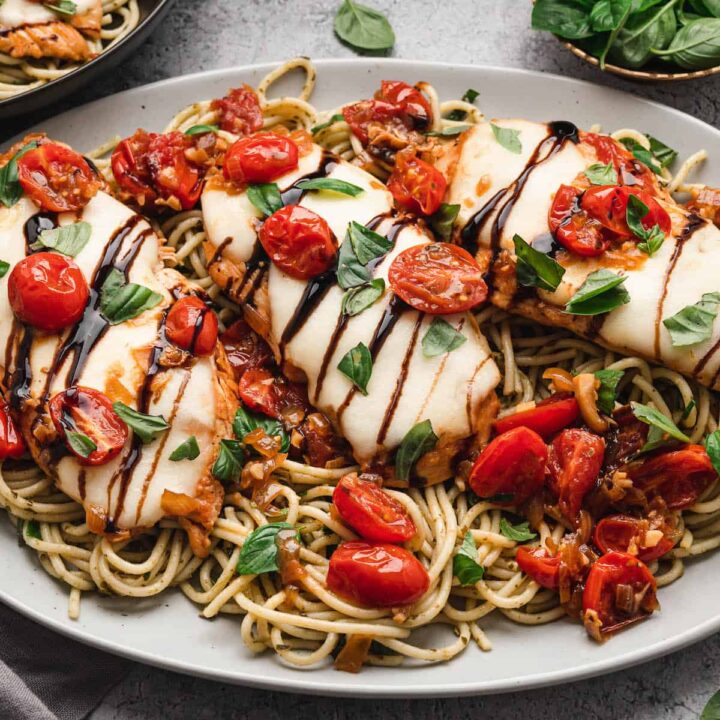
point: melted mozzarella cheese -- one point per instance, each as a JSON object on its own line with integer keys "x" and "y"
{"x": 16, "y": 13}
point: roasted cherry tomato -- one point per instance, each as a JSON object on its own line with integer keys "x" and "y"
{"x": 174, "y": 176}
{"x": 437, "y": 278}
{"x": 299, "y": 242}
{"x": 548, "y": 417}
{"x": 619, "y": 590}
{"x": 374, "y": 514}
{"x": 624, "y": 533}
{"x": 679, "y": 477}
{"x": 409, "y": 99}
{"x": 575, "y": 460}
{"x": 57, "y": 178}
{"x": 129, "y": 163}
{"x": 239, "y": 111}
{"x": 259, "y": 391}
{"x": 245, "y": 349}
{"x": 48, "y": 291}
{"x": 416, "y": 185}
{"x": 512, "y": 464}
{"x": 572, "y": 228}
{"x": 630, "y": 170}
{"x": 260, "y": 158}
{"x": 90, "y": 413}
{"x": 540, "y": 565}
{"x": 378, "y": 575}
{"x": 192, "y": 326}
{"x": 11, "y": 442}
{"x": 360, "y": 115}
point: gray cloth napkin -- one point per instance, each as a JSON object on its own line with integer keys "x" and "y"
{"x": 44, "y": 676}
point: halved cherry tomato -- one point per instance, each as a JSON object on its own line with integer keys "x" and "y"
{"x": 245, "y": 349}
{"x": 513, "y": 463}
{"x": 57, "y": 178}
{"x": 299, "y": 242}
{"x": 258, "y": 390}
{"x": 540, "y": 565}
{"x": 131, "y": 170}
{"x": 239, "y": 111}
{"x": 547, "y": 417}
{"x": 48, "y": 291}
{"x": 192, "y": 326}
{"x": 679, "y": 477}
{"x": 379, "y": 575}
{"x": 11, "y": 442}
{"x": 260, "y": 158}
{"x": 619, "y": 590}
{"x": 412, "y": 102}
{"x": 630, "y": 170}
{"x": 437, "y": 278}
{"x": 572, "y": 228}
{"x": 374, "y": 514}
{"x": 88, "y": 412}
{"x": 621, "y": 532}
{"x": 416, "y": 185}
{"x": 361, "y": 114}
{"x": 575, "y": 460}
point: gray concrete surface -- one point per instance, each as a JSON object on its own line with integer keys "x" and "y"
{"x": 220, "y": 33}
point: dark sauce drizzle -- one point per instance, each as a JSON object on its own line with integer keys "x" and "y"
{"x": 34, "y": 226}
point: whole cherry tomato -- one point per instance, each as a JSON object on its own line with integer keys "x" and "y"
{"x": 409, "y": 99}
{"x": 512, "y": 464}
{"x": 572, "y": 228}
{"x": 379, "y": 575}
{"x": 260, "y": 158}
{"x": 548, "y": 417}
{"x": 259, "y": 391}
{"x": 88, "y": 412}
{"x": 630, "y": 171}
{"x": 416, "y": 185}
{"x": 437, "y": 278}
{"x": 374, "y": 514}
{"x": 575, "y": 461}
{"x": 57, "y": 178}
{"x": 239, "y": 111}
{"x": 299, "y": 242}
{"x": 540, "y": 565}
{"x": 622, "y": 532}
{"x": 11, "y": 442}
{"x": 619, "y": 590}
{"x": 48, "y": 291}
{"x": 192, "y": 326}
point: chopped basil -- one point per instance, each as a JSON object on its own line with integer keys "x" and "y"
{"x": 465, "y": 565}
{"x": 688, "y": 409}
{"x": 360, "y": 298}
{"x": 694, "y": 323}
{"x": 607, "y": 392}
{"x": 520, "y": 532}
{"x": 80, "y": 444}
{"x": 121, "y": 301}
{"x": 654, "y": 237}
{"x": 350, "y": 271}
{"x": 653, "y": 241}
{"x": 10, "y": 189}
{"x": 245, "y": 422}
{"x": 200, "y": 129}
{"x": 259, "y": 551}
{"x": 599, "y": 174}
{"x": 536, "y": 269}
{"x": 470, "y": 95}
{"x": 366, "y": 243}
{"x": 711, "y": 711}
{"x": 451, "y": 131}
{"x": 229, "y": 462}
{"x": 146, "y": 427}
{"x": 322, "y": 126}
{"x": 441, "y": 337}
{"x": 663, "y": 154}
{"x": 357, "y": 365}
{"x": 32, "y": 529}
{"x": 65, "y": 7}
{"x": 642, "y": 154}
{"x": 188, "y": 450}
{"x": 508, "y": 138}
{"x": 712, "y": 447}
{"x": 419, "y": 440}
{"x": 265, "y": 197}
{"x": 331, "y": 184}
{"x": 362, "y": 27}
{"x": 600, "y": 293}
{"x": 4, "y": 267}
{"x": 663, "y": 426}
{"x": 67, "y": 239}
{"x": 442, "y": 221}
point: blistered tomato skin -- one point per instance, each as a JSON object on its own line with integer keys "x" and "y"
{"x": 548, "y": 417}
{"x": 258, "y": 391}
{"x": 192, "y": 326}
{"x": 11, "y": 442}
{"x": 416, "y": 185}
{"x": 260, "y": 158}
{"x": 542, "y": 567}
{"x": 621, "y": 532}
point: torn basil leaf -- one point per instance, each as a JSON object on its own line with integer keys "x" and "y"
{"x": 607, "y": 392}
{"x": 10, "y": 189}
{"x": 245, "y": 422}
{"x": 663, "y": 154}
{"x": 600, "y": 293}
{"x": 64, "y": 7}
{"x": 508, "y": 138}
{"x": 350, "y": 272}
{"x": 265, "y": 197}
{"x": 146, "y": 427}
{"x": 362, "y": 27}
{"x": 642, "y": 154}
{"x": 360, "y": 298}
{"x": 442, "y": 221}
{"x": 200, "y": 129}
{"x": 599, "y": 174}
{"x": 652, "y": 238}
{"x": 259, "y": 551}
{"x": 694, "y": 323}
{"x": 322, "y": 126}
{"x": 441, "y": 337}
{"x": 519, "y": 533}
{"x": 653, "y": 241}
{"x": 366, "y": 243}
{"x": 121, "y": 301}
{"x": 80, "y": 443}
{"x": 418, "y": 440}
{"x": 4, "y": 267}
{"x": 357, "y": 365}
{"x": 465, "y": 565}
{"x": 536, "y": 269}
{"x": 330, "y": 184}
{"x": 67, "y": 239}
{"x": 188, "y": 450}
{"x": 229, "y": 462}
{"x": 712, "y": 447}
{"x": 655, "y": 419}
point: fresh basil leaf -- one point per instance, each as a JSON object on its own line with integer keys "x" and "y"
{"x": 322, "y": 126}
{"x": 418, "y": 440}
{"x": 121, "y": 301}
{"x": 229, "y": 462}
{"x": 470, "y": 95}
{"x": 599, "y": 174}
{"x": 621, "y": 12}
{"x": 653, "y": 238}
{"x": 4, "y": 267}
{"x": 366, "y": 243}
{"x": 451, "y": 131}
{"x": 600, "y": 293}
{"x": 520, "y": 532}
{"x": 441, "y": 337}
{"x": 696, "y": 46}
{"x": 330, "y": 184}
{"x": 711, "y": 711}
{"x": 642, "y": 154}
{"x": 245, "y": 422}
{"x": 694, "y": 323}
{"x": 663, "y": 154}
{"x": 10, "y": 189}
{"x": 536, "y": 269}
{"x": 607, "y": 392}
{"x": 441, "y": 222}
{"x": 265, "y": 197}
{"x": 507, "y": 137}
{"x": 65, "y": 7}
{"x": 200, "y": 129}
{"x": 360, "y": 298}
{"x": 187, "y": 450}
{"x": 362, "y": 27}
{"x": 259, "y": 551}
{"x": 357, "y": 365}
{"x": 32, "y": 529}
{"x": 653, "y": 241}
{"x": 654, "y": 418}
{"x": 712, "y": 447}
{"x": 146, "y": 427}
{"x": 80, "y": 444}
{"x": 67, "y": 239}
{"x": 606, "y": 15}
{"x": 465, "y": 565}
{"x": 350, "y": 272}
{"x": 570, "y": 19}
